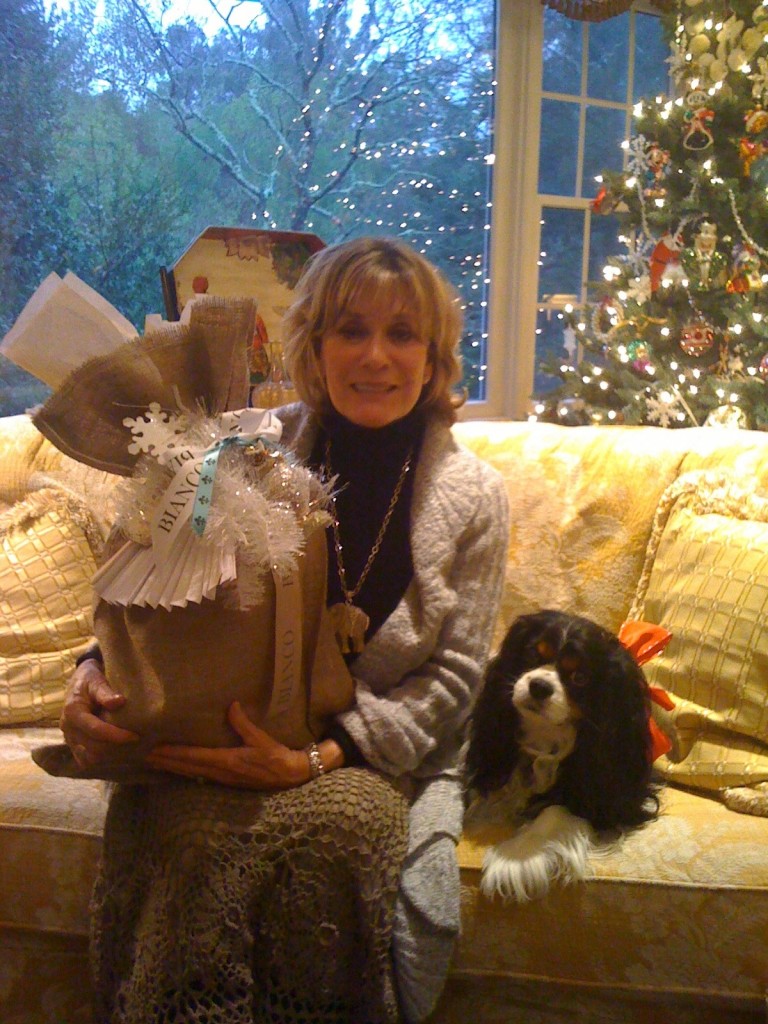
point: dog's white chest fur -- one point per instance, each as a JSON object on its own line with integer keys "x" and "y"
{"x": 548, "y": 730}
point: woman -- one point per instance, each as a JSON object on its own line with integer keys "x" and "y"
{"x": 416, "y": 560}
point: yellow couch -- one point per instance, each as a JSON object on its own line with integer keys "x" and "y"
{"x": 672, "y": 927}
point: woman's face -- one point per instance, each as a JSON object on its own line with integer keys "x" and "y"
{"x": 375, "y": 361}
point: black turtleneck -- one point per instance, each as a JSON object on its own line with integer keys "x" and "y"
{"x": 367, "y": 463}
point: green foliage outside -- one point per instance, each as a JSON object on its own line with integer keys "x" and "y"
{"x": 677, "y": 334}
{"x": 123, "y": 137}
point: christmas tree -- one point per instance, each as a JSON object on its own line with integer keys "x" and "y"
{"x": 676, "y": 335}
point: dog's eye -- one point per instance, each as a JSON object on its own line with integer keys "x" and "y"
{"x": 545, "y": 650}
{"x": 577, "y": 679}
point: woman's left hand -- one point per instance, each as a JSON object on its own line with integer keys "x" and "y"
{"x": 261, "y": 763}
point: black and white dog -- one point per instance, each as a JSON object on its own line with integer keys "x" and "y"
{"x": 559, "y": 740}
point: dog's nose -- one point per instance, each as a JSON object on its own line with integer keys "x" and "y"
{"x": 540, "y": 688}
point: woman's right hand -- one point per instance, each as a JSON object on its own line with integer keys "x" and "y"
{"x": 89, "y": 695}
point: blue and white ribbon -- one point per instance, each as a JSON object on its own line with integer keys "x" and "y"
{"x": 208, "y": 467}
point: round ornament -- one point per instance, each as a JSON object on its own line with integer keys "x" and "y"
{"x": 763, "y": 367}
{"x": 697, "y": 337}
{"x": 717, "y": 70}
{"x": 639, "y": 353}
{"x": 699, "y": 44}
{"x": 751, "y": 41}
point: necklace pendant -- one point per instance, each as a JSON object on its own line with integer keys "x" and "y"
{"x": 349, "y": 624}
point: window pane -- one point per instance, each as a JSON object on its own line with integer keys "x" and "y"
{"x": 559, "y": 147}
{"x": 562, "y": 242}
{"x": 603, "y": 134}
{"x": 562, "y": 53}
{"x": 651, "y": 53}
{"x": 550, "y": 345}
{"x": 603, "y": 234}
{"x": 609, "y": 59}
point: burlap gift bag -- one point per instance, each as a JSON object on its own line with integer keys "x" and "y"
{"x": 213, "y": 585}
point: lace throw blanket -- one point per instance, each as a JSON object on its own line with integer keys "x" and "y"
{"x": 218, "y": 905}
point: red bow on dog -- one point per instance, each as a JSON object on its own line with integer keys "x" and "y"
{"x": 644, "y": 641}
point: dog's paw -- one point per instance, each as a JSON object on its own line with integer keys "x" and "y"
{"x": 554, "y": 846}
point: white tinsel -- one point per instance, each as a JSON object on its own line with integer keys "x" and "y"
{"x": 263, "y": 503}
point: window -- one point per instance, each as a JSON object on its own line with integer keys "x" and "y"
{"x": 565, "y": 106}
{"x": 135, "y": 129}
{"x": 130, "y": 135}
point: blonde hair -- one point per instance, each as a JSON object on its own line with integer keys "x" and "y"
{"x": 336, "y": 277}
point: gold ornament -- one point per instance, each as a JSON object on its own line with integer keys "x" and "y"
{"x": 729, "y": 416}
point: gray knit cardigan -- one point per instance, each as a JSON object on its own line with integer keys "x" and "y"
{"x": 416, "y": 681}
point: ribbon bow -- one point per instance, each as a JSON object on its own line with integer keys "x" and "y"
{"x": 644, "y": 640}
{"x": 244, "y": 427}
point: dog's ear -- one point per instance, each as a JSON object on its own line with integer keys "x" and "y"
{"x": 608, "y": 777}
{"x": 493, "y": 749}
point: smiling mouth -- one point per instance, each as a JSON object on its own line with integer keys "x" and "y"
{"x": 373, "y": 389}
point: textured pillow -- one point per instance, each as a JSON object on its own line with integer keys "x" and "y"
{"x": 706, "y": 578}
{"x": 47, "y": 545}
{"x": 23, "y": 451}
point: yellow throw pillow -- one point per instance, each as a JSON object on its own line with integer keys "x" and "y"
{"x": 47, "y": 545}
{"x": 706, "y": 579}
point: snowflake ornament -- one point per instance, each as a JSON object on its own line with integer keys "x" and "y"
{"x": 637, "y": 160}
{"x": 662, "y": 408}
{"x": 640, "y": 289}
{"x": 679, "y": 66}
{"x": 155, "y": 432}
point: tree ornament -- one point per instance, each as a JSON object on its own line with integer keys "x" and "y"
{"x": 662, "y": 408}
{"x": 750, "y": 151}
{"x": 732, "y": 417}
{"x": 658, "y": 167}
{"x": 751, "y": 41}
{"x": 570, "y": 344}
{"x": 763, "y": 367}
{"x": 605, "y": 201}
{"x": 666, "y": 251}
{"x": 704, "y": 265}
{"x": 759, "y": 78}
{"x": 745, "y": 274}
{"x": 639, "y": 353}
{"x": 698, "y": 118}
{"x": 756, "y": 120}
{"x": 699, "y": 44}
{"x": 572, "y": 412}
{"x": 697, "y": 337}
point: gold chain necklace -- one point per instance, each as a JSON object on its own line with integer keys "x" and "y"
{"x": 350, "y": 622}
